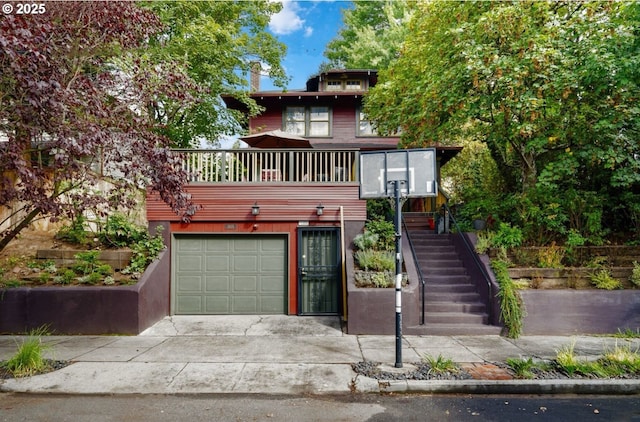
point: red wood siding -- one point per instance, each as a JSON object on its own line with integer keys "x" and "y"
{"x": 277, "y": 202}
{"x": 343, "y": 131}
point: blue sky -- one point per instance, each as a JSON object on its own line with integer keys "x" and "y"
{"x": 305, "y": 27}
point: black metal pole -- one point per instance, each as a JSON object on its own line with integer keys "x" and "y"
{"x": 398, "y": 228}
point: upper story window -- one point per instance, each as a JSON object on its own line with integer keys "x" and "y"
{"x": 334, "y": 85}
{"x": 344, "y": 85}
{"x": 353, "y": 85}
{"x": 364, "y": 126}
{"x": 308, "y": 121}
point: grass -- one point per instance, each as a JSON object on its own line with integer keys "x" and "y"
{"x": 628, "y": 333}
{"x": 617, "y": 362}
{"x": 440, "y": 364}
{"x": 29, "y": 359}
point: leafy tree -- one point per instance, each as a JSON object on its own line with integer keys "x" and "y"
{"x": 71, "y": 118}
{"x": 550, "y": 87}
{"x": 371, "y": 36}
{"x": 216, "y": 44}
{"x": 535, "y": 80}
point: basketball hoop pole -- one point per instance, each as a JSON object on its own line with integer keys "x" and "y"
{"x": 398, "y": 229}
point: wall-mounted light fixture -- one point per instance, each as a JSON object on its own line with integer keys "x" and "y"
{"x": 320, "y": 209}
{"x": 255, "y": 209}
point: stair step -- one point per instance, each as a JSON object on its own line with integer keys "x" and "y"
{"x": 449, "y": 288}
{"x": 440, "y": 263}
{"x": 473, "y": 307}
{"x": 455, "y": 318}
{"x": 452, "y": 297}
{"x": 452, "y": 330}
{"x": 447, "y": 279}
{"x": 429, "y": 271}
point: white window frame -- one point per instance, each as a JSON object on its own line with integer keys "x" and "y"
{"x": 309, "y": 121}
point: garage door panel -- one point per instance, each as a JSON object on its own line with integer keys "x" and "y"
{"x": 218, "y": 263}
{"x": 245, "y": 263}
{"x": 246, "y": 244}
{"x": 219, "y": 245}
{"x": 217, "y": 305}
{"x": 189, "y": 304}
{"x": 270, "y": 284}
{"x": 245, "y": 283}
{"x": 272, "y": 304}
{"x": 230, "y": 274}
{"x": 244, "y": 304}
{"x": 271, "y": 263}
{"x": 218, "y": 284}
{"x": 190, "y": 284}
{"x": 189, "y": 263}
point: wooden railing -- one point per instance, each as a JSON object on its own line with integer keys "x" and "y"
{"x": 270, "y": 165}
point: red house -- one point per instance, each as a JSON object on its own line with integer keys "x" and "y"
{"x": 276, "y": 218}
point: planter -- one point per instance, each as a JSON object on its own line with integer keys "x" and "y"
{"x": 568, "y": 312}
{"x": 89, "y": 309}
{"x": 566, "y": 278}
{"x": 479, "y": 224}
{"x": 372, "y": 310}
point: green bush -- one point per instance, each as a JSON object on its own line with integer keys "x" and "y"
{"x": 366, "y": 240}
{"x": 635, "y": 274}
{"x": 374, "y": 260}
{"x": 602, "y": 279}
{"x": 507, "y": 236}
{"x": 144, "y": 252}
{"x": 120, "y": 232}
{"x": 386, "y": 232}
{"x": 74, "y": 233}
{"x": 512, "y": 309}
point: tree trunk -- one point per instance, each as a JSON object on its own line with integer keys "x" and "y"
{"x": 9, "y": 235}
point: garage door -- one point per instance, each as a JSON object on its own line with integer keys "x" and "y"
{"x": 242, "y": 274}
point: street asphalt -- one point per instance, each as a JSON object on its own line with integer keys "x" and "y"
{"x": 279, "y": 354}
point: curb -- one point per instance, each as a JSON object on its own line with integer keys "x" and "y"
{"x": 608, "y": 386}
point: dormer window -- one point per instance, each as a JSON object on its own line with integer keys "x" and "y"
{"x": 334, "y": 85}
{"x": 344, "y": 85}
{"x": 353, "y": 85}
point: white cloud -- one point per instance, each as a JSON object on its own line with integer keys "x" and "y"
{"x": 308, "y": 31}
{"x": 287, "y": 20}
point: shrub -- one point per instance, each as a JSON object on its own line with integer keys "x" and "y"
{"x": 440, "y": 364}
{"x": 507, "y": 236}
{"x": 74, "y": 233}
{"x": 511, "y": 306}
{"x": 602, "y": 279}
{"x": 366, "y": 240}
{"x": 635, "y": 274}
{"x": 550, "y": 256}
{"x": 386, "y": 233}
{"x": 120, "y": 232}
{"x": 144, "y": 252}
{"x": 485, "y": 241}
{"x": 370, "y": 259}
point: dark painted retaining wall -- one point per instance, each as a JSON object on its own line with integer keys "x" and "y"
{"x": 372, "y": 310}
{"x": 90, "y": 309}
{"x": 580, "y": 311}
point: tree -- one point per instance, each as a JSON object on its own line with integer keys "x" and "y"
{"x": 216, "y": 43}
{"x": 371, "y": 36}
{"x": 71, "y": 118}
{"x": 550, "y": 87}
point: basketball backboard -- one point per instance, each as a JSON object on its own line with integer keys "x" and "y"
{"x": 414, "y": 168}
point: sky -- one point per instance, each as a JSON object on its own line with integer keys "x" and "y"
{"x": 305, "y": 27}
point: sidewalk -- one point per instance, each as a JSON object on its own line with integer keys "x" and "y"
{"x": 288, "y": 355}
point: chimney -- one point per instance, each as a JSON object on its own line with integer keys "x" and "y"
{"x": 254, "y": 82}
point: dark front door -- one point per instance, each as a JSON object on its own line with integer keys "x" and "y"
{"x": 319, "y": 271}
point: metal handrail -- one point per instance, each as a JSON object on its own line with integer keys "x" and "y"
{"x": 417, "y": 264}
{"x": 481, "y": 267}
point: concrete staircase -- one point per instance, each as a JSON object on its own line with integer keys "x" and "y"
{"x": 453, "y": 305}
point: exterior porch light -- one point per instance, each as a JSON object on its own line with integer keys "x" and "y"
{"x": 320, "y": 209}
{"x": 255, "y": 209}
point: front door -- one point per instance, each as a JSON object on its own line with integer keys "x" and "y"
{"x": 319, "y": 271}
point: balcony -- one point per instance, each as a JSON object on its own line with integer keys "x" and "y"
{"x": 254, "y": 166}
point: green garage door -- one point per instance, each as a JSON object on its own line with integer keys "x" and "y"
{"x": 242, "y": 274}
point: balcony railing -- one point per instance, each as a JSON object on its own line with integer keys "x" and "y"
{"x": 270, "y": 165}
